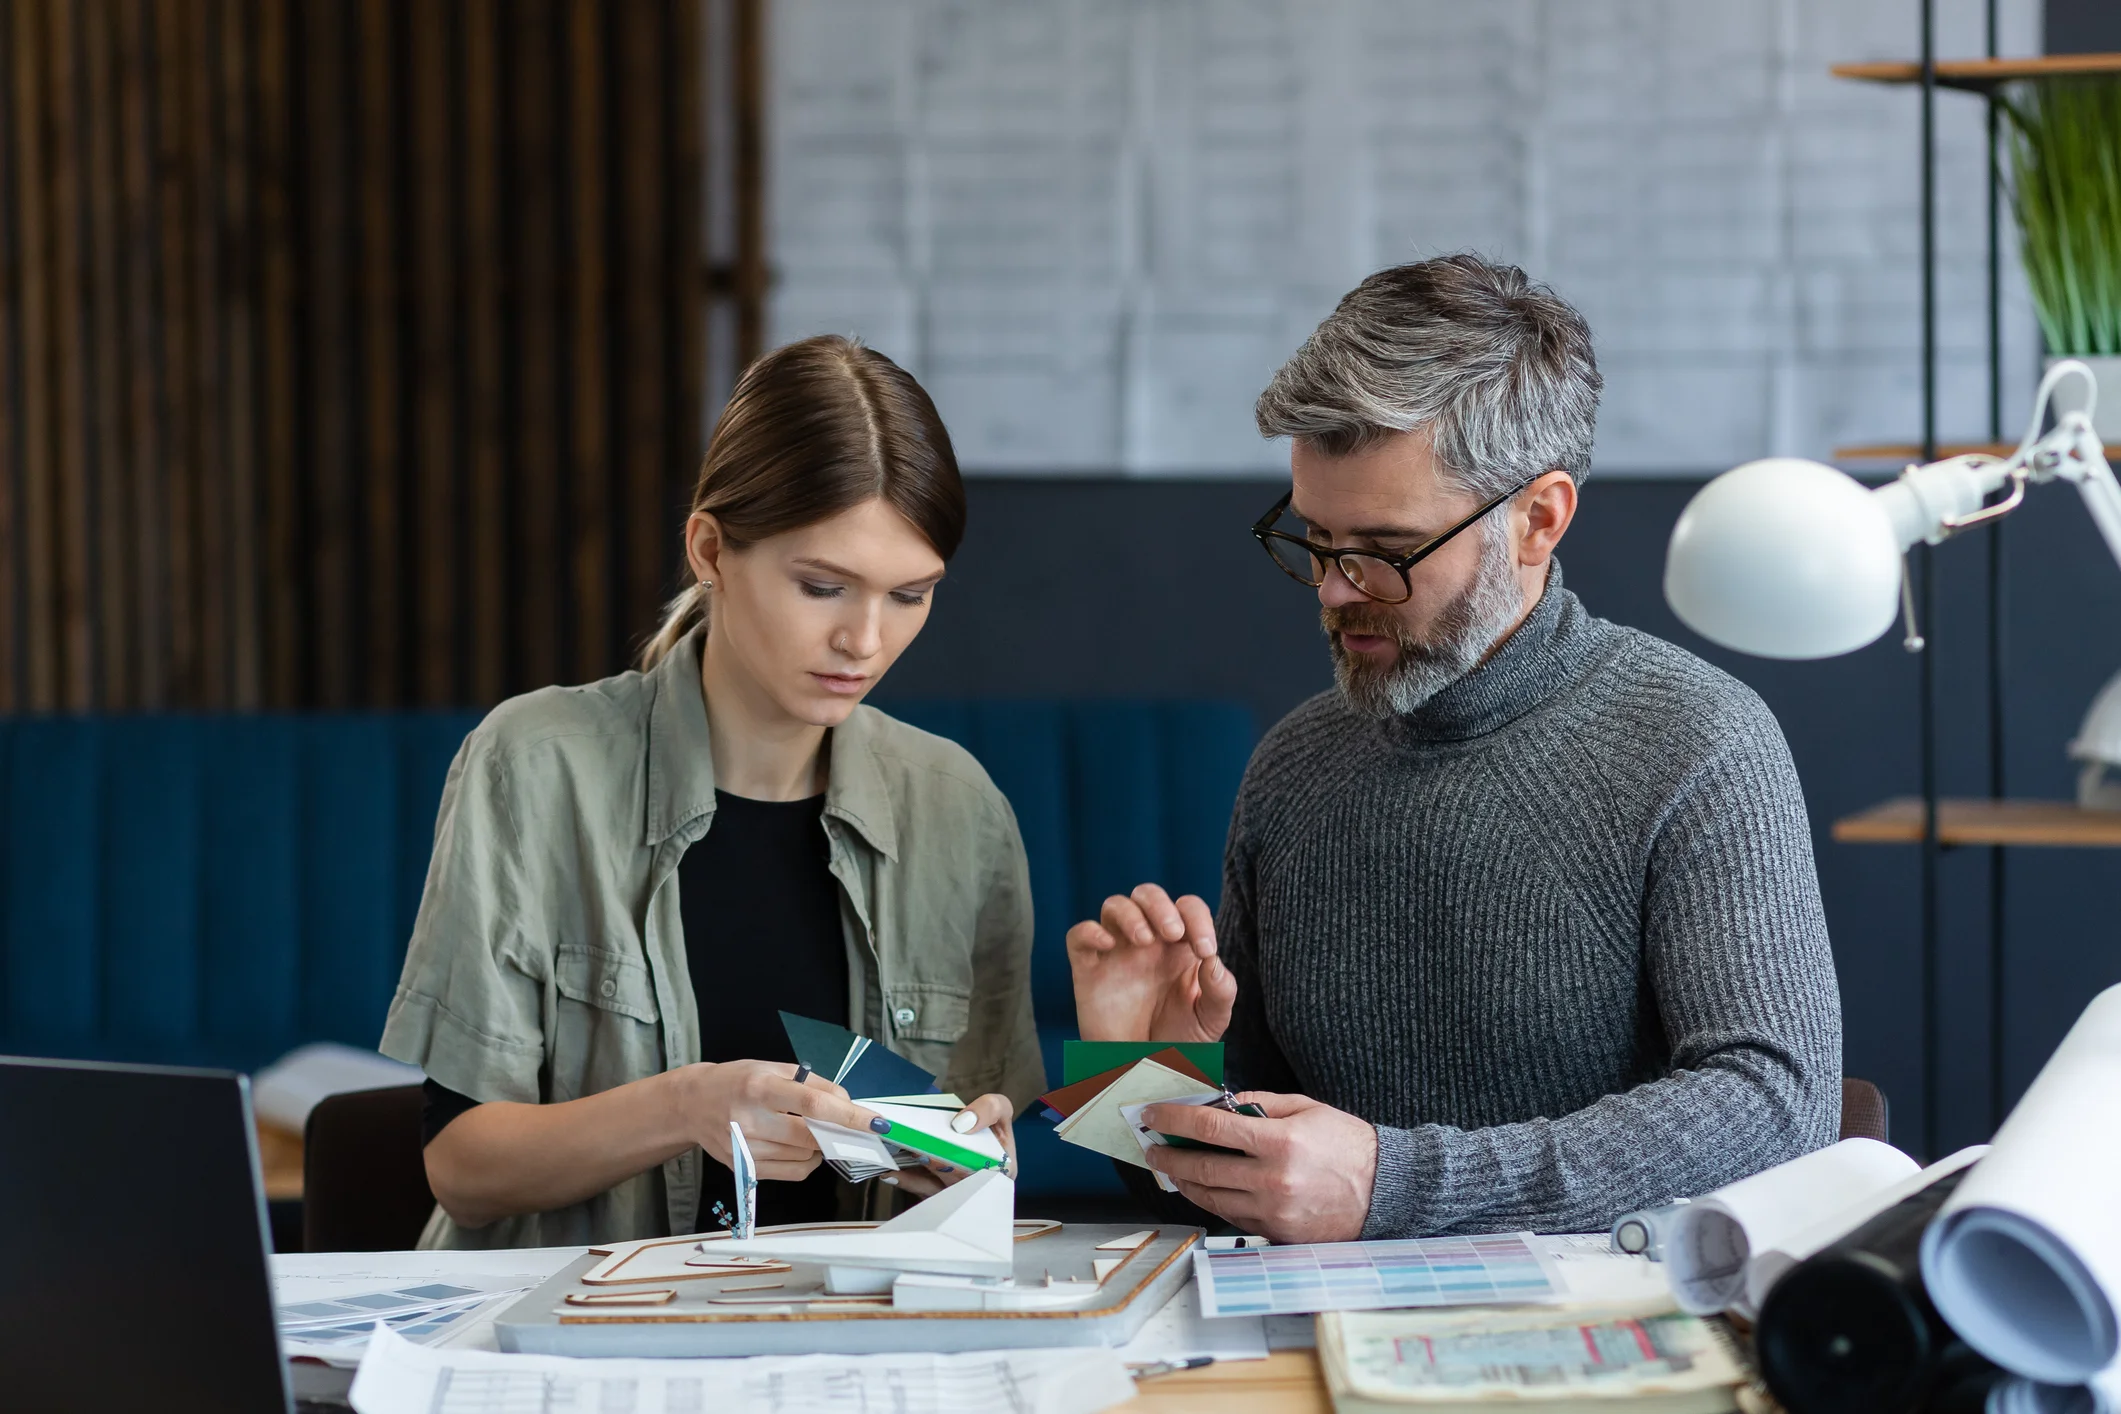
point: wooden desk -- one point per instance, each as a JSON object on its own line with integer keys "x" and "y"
{"x": 1286, "y": 1382}
{"x": 280, "y": 1156}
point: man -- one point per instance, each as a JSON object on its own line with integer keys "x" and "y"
{"x": 1519, "y": 925}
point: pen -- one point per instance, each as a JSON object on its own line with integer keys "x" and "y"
{"x": 1172, "y": 1367}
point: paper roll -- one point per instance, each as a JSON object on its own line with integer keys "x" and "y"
{"x": 1764, "y": 1269}
{"x": 1712, "y": 1238}
{"x": 1850, "y": 1331}
{"x": 2025, "y": 1260}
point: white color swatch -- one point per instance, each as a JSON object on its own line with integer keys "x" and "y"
{"x": 2024, "y": 1260}
{"x": 1094, "y": 228}
{"x": 1713, "y": 1237}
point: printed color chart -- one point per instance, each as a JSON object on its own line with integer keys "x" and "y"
{"x": 1370, "y": 1276}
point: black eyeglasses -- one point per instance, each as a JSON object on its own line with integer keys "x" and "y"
{"x": 1380, "y": 576}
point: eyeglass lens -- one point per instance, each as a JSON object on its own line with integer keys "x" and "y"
{"x": 1372, "y": 576}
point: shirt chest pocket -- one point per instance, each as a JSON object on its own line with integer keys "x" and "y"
{"x": 605, "y": 1032}
{"x": 927, "y": 1020}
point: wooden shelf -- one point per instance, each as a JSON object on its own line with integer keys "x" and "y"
{"x": 1980, "y": 75}
{"x": 1904, "y": 452}
{"x": 1985, "y": 822}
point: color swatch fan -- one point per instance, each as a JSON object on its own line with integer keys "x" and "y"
{"x": 897, "y": 1090}
{"x": 857, "y": 1064}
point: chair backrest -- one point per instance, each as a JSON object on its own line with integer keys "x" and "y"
{"x": 364, "y": 1178}
{"x": 1863, "y": 1111}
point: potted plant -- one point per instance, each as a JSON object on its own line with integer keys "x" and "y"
{"x": 2065, "y": 188}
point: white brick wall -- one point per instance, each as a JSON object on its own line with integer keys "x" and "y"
{"x": 1095, "y": 227}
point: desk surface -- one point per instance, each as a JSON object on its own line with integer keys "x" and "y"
{"x": 1286, "y": 1382}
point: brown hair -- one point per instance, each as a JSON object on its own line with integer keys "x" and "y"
{"x": 814, "y": 428}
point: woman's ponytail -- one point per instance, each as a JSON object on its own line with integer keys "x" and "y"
{"x": 680, "y": 616}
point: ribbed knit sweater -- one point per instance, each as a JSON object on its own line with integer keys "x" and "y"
{"x": 1557, "y": 934}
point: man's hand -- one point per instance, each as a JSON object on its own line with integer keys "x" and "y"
{"x": 1146, "y": 970}
{"x": 1305, "y": 1175}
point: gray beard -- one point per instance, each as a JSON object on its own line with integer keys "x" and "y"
{"x": 1468, "y": 627}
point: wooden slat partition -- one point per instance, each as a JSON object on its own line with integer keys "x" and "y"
{"x": 350, "y": 350}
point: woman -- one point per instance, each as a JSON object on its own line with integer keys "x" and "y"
{"x": 632, "y": 879}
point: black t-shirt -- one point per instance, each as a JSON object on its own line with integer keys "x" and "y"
{"x": 762, "y": 935}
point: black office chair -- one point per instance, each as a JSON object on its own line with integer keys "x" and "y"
{"x": 1863, "y": 1111}
{"x": 364, "y": 1180}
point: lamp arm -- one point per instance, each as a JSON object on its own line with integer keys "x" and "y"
{"x": 2101, "y": 493}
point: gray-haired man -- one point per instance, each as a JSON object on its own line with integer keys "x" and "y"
{"x": 1519, "y": 925}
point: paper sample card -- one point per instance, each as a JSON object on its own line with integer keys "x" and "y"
{"x": 918, "y": 1133}
{"x": 855, "y": 1063}
{"x": 1100, "y": 1126}
{"x": 1082, "y": 1059}
{"x": 1059, "y": 1104}
{"x": 1370, "y": 1276}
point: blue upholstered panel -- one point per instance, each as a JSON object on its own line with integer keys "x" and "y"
{"x": 218, "y": 890}
{"x": 53, "y": 974}
{"x": 349, "y": 873}
{"x": 152, "y": 878}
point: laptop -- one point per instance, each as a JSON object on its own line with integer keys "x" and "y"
{"x": 133, "y": 1242}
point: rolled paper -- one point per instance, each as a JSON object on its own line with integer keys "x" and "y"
{"x": 1849, "y": 1330}
{"x": 2025, "y": 1260}
{"x": 1766, "y": 1268}
{"x": 1710, "y": 1240}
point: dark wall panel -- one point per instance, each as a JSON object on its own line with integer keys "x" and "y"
{"x": 350, "y": 354}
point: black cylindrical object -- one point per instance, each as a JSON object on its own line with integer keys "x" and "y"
{"x": 1850, "y": 1330}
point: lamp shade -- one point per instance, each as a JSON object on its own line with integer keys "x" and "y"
{"x": 1784, "y": 558}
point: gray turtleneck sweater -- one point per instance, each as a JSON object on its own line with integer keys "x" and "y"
{"x": 1556, "y": 934}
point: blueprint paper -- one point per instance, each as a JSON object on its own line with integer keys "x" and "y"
{"x": 398, "y": 1377}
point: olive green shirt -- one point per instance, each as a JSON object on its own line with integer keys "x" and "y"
{"x": 548, "y": 958}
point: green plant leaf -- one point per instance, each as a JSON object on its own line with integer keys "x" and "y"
{"x": 2065, "y": 190}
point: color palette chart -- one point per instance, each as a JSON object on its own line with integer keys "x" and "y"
{"x": 1371, "y": 1276}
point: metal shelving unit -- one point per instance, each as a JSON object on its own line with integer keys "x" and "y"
{"x": 1995, "y": 822}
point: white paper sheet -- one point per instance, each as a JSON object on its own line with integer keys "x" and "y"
{"x": 1711, "y": 1238}
{"x": 398, "y": 1377}
{"x": 1178, "y": 1331}
{"x": 311, "y": 1279}
{"x": 1592, "y": 1273}
{"x": 2024, "y": 1261}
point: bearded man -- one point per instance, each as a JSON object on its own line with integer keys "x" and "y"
{"x": 1519, "y": 926}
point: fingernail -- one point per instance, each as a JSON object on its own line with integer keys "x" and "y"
{"x": 941, "y": 1167}
{"x": 880, "y": 1125}
{"x": 890, "y": 1178}
{"x": 964, "y": 1121}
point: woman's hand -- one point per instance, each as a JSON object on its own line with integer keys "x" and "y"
{"x": 988, "y": 1112}
{"x": 764, "y": 1100}
{"x": 1146, "y": 970}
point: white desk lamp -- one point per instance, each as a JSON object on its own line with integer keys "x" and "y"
{"x": 1785, "y": 558}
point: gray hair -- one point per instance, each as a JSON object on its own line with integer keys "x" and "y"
{"x": 1498, "y": 368}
